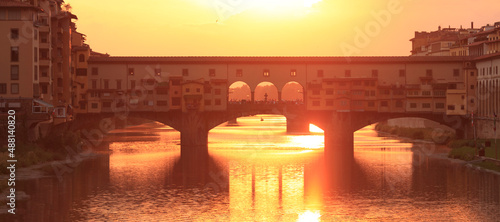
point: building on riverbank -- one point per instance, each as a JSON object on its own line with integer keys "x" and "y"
{"x": 41, "y": 56}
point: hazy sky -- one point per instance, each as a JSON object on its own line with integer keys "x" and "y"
{"x": 269, "y": 27}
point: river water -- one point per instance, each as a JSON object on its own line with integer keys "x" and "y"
{"x": 255, "y": 171}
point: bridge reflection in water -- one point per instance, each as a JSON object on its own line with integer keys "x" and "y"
{"x": 258, "y": 172}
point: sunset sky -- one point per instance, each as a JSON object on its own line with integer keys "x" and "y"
{"x": 269, "y": 27}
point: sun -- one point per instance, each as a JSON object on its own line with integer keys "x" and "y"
{"x": 283, "y": 4}
{"x": 227, "y": 9}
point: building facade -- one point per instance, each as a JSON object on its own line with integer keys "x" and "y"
{"x": 42, "y": 55}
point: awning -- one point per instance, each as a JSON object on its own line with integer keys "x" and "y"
{"x": 43, "y": 103}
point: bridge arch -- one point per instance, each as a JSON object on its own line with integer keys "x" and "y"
{"x": 239, "y": 91}
{"x": 266, "y": 92}
{"x": 293, "y": 92}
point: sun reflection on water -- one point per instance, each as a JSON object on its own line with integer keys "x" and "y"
{"x": 309, "y": 216}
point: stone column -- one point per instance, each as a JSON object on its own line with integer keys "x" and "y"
{"x": 339, "y": 139}
{"x": 194, "y": 133}
{"x": 297, "y": 125}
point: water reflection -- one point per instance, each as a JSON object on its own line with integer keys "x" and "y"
{"x": 258, "y": 172}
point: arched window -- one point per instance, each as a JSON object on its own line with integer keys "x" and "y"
{"x": 81, "y": 58}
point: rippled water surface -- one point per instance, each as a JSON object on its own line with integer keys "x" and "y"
{"x": 258, "y": 172}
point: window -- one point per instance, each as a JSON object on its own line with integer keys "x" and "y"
{"x": 207, "y": 89}
{"x": 371, "y": 104}
{"x": 3, "y": 88}
{"x": 471, "y": 86}
{"x": 426, "y": 105}
{"x": 44, "y": 54}
{"x": 45, "y": 88}
{"x": 35, "y": 54}
{"x": 293, "y": 72}
{"x": 375, "y": 73}
{"x": 106, "y": 105}
{"x": 428, "y": 73}
{"x": 462, "y": 107}
{"x": 95, "y": 71}
{"x": 94, "y": 84}
{"x": 439, "y": 105}
{"x": 158, "y": 72}
{"x": 426, "y": 93}
{"x": 384, "y": 104}
{"x": 218, "y": 102}
{"x": 14, "y": 72}
{"x": 14, "y": 54}
{"x": 14, "y": 33}
{"x": 451, "y": 107}
{"x": 208, "y": 102}
{"x": 44, "y": 71}
{"x": 119, "y": 84}
{"x": 132, "y": 84}
{"x": 211, "y": 72}
{"x": 402, "y": 73}
{"x": 188, "y": 90}
{"x": 239, "y": 72}
{"x": 81, "y": 72}
{"x": 35, "y": 73}
{"x": 266, "y": 73}
{"x": 320, "y": 73}
{"x": 471, "y": 73}
{"x": 81, "y": 58}
{"x": 185, "y": 72}
{"x": 456, "y": 72}
{"x": 413, "y": 105}
{"x": 399, "y": 104}
{"x": 316, "y": 103}
{"x": 14, "y": 88}
{"x": 14, "y": 14}
{"x": 106, "y": 84}
{"x": 162, "y": 103}
{"x": 94, "y": 105}
{"x": 131, "y": 71}
{"x": 198, "y": 90}
{"x": 347, "y": 73}
{"x": 44, "y": 37}
{"x": 372, "y": 93}
{"x": 315, "y": 92}
{"x": 329, "y": 92}
{"x": 329, "y": 102}
{"x": 217, "y": 91}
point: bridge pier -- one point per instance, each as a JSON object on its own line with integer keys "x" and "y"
{"x": 339, "y": 139}
{"x": 194, "y": 134}
{"x": 297, "y": 125}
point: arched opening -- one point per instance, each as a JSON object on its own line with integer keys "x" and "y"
{"x": 239, "y": 92}
{"x": 292, "y": 92}
{"x": 264, "y": 132}
{"x": 266, "y": 92}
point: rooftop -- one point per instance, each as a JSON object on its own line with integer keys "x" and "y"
{"x": 276, "y": 59}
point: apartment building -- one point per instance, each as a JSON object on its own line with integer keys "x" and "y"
{"x": 42, "y": 55}
{"x": 19, "y": 46}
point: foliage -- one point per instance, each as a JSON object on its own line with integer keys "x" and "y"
{"x": 464, "y": 153}
{"x": 488, "y": 165}
{"x": 430, "y": 134}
